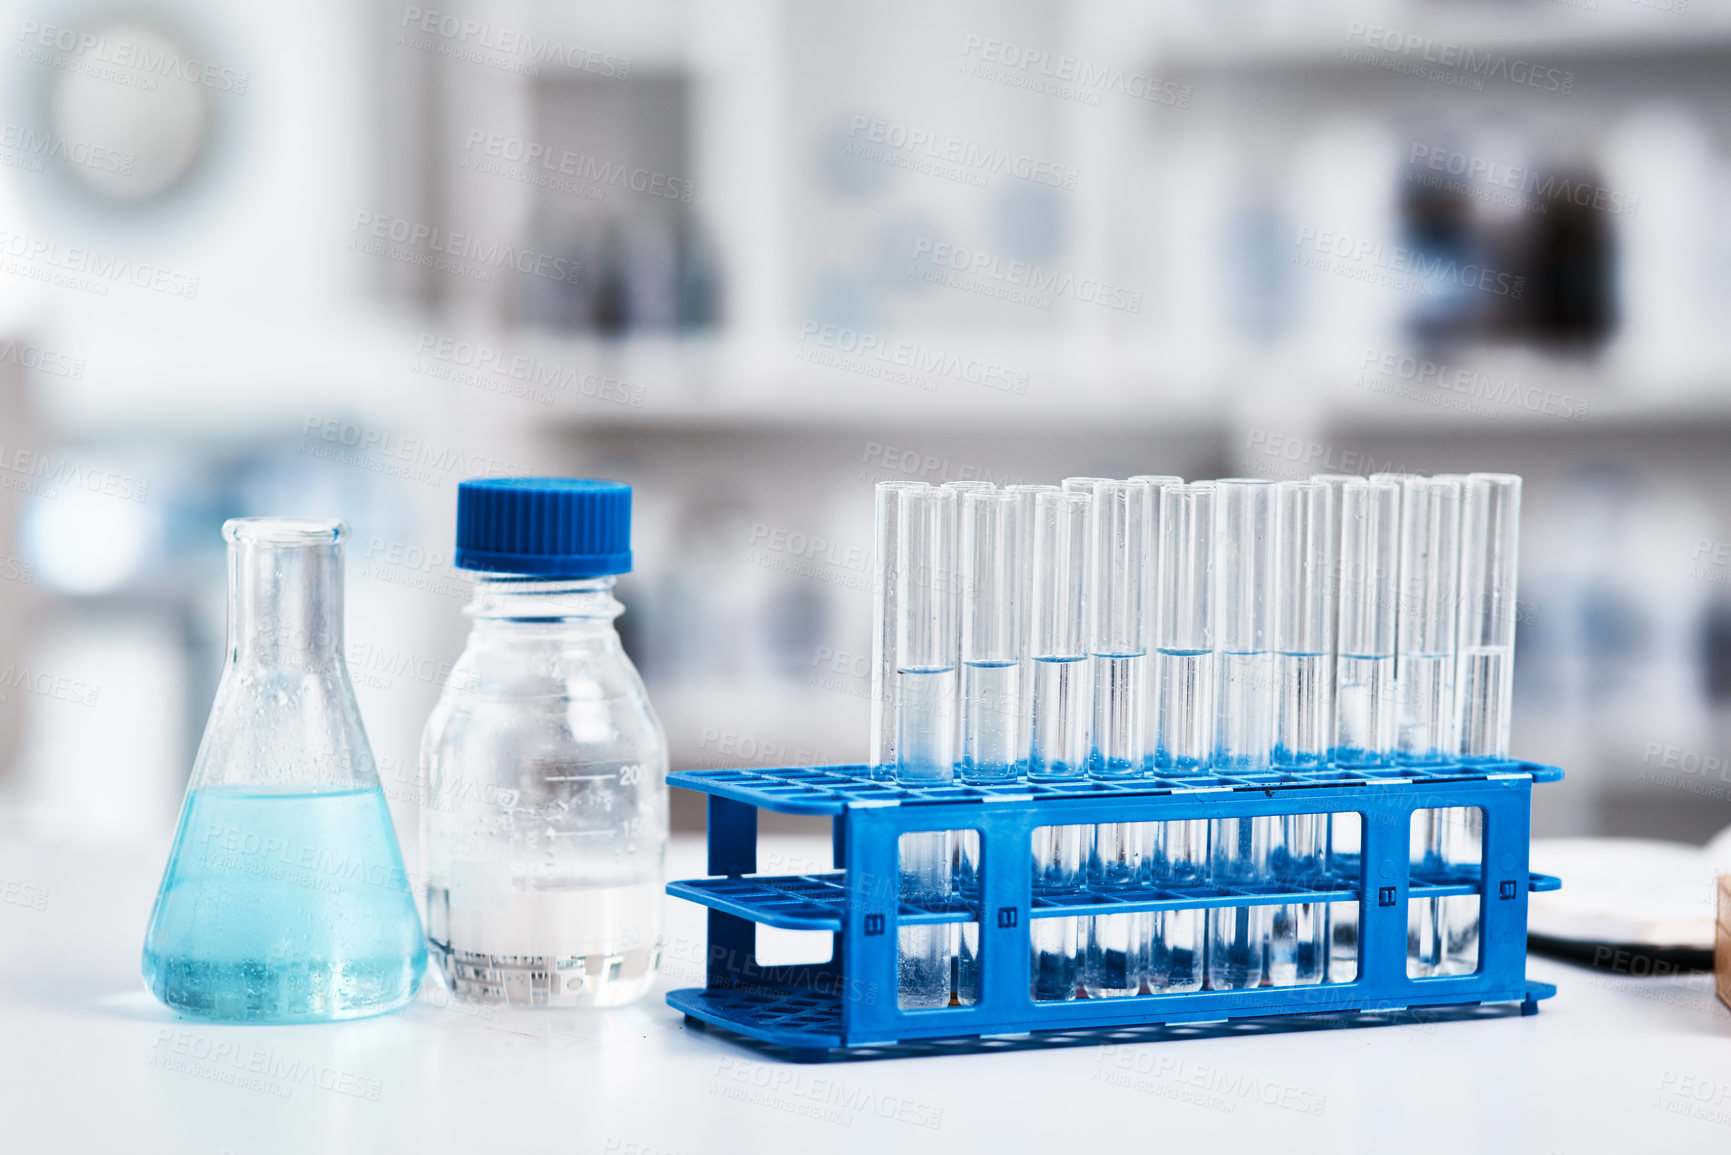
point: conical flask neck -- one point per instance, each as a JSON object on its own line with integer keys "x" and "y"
{"x": 285, "y": 713}
{"x": 285, "y": 586}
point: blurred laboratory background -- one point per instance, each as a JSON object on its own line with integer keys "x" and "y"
{"x": 332, "y": 257}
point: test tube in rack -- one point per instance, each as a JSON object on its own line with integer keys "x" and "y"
{"x": 1115, "y": 955}
{"x": 1151, "y": 610}
{"x": 1430, "y": 522}
{"x": 1060, "y": 710}
{"x": 1490, "y": 537}
{"x": 886, "y": 622}
{"x": 1024, "y": 496}
{"x": 1304, "y": 623}
{"x": 927, "y": 646}
{"x": 1484, "y": 684}
{"x": 1304, "y": 576}
{"x": 1062, "y": 697}
{"x": 991, "y": 576}
{"x": 1244, "y": 515}
{"x": 1184, "y": 702}
{"x": 1425, "y": 642}
{"x": 1365, "y": 704}
{"x": 990, "y": 563}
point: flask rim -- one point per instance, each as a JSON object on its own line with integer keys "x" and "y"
{"x": 284, "y": 530}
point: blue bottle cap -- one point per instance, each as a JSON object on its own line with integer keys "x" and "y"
{"x": 561, "y": 527}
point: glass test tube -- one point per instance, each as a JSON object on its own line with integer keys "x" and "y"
{"x": 1425, "y": 642}
{"x": 991, "y": 577}
{"x": 1485, "y": 642}
{"x": 1156, "y": 483}
{"x": 1365, "y": 707}
{"x": 1304, "y": 623}
{"x": 1152, "y": 833}
{"x": 1304, "y": 576}
{"x": 1184, "y": 690}
{"x": 1425, "y": 623}
{"x": 1183, "y": 701}
{"x": 1490, "y": 540}
{"x": 1338, "y": 484}
{"x": 926, "y": 652}
{"x": 1059, "y": 715}
{"x": 1025, "y": 517}
{"x": 1244, "y": 712}
{"x": 886, "y": 622}
{"x": 1457, "y": 832}
{"x": 1363, "y": 683}
{"x": 985, "y": 748}
{"x": 1058, "y": 742}
{"x": 1118, "y": 639}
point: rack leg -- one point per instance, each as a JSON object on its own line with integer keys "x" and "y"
{"x": 732, "y": 837}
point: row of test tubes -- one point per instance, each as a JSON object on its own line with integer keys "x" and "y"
{"x": 1113, "y": 629}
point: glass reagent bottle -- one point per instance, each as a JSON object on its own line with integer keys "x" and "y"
{"x": 544, "y": 766}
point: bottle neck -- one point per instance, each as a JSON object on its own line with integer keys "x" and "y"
{"x": 505, "y": 600}
{"x": 285, "y": 603}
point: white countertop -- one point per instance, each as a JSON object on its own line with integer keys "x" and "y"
{"x": 90, "y": 1063}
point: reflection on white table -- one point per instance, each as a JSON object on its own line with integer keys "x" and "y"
{"x": 90, "y": 1063}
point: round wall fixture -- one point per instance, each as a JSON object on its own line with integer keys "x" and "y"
{"x": 135, "y": 111}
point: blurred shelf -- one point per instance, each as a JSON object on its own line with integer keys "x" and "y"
{"x": 1524, "y": 391}
{"x": 933, "y": 381}
{"x": 184, "y": 384}
{"x": 1165, "y": 387}
{"x": 1538, "y": 33}
{"x": 225, "y": 377}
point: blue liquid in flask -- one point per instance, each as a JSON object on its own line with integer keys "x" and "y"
{"x": 282, "y": 907}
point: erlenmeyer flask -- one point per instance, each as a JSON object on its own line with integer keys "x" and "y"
{"x": 285, "y": 898}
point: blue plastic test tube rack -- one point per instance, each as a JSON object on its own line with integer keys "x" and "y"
{"x": 850, "y": 1000}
